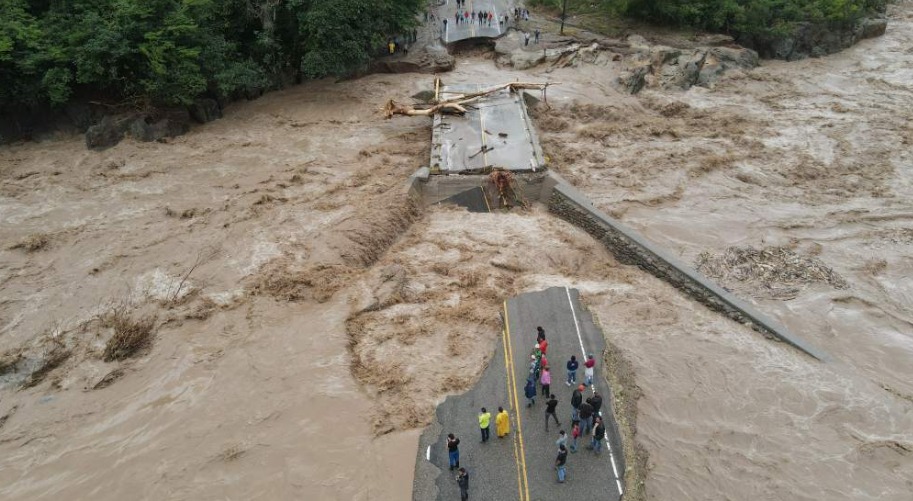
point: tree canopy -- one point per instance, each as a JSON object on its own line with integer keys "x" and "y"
{"x": 172, "y": 51}
{"x": 750, "y": 17}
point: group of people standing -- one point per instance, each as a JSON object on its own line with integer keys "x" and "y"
{"x": 482, "y": 17}
{"x": 586, "y": 417}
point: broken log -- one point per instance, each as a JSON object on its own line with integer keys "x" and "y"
{"x": 456, "y": 105}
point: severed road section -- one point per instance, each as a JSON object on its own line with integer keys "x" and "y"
{"x": 455, "y": 32}
{"x": 521, "y": 466}
{"x": 496, "y": 132}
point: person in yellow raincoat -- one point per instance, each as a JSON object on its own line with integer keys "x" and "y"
{"x": 502, "y": 422}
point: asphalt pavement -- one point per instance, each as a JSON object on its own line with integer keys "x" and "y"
{"x": 472, "y": 29}
{"x": 521, "y": 466}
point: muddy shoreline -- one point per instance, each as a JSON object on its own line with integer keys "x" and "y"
{"x": 262, "y": 351}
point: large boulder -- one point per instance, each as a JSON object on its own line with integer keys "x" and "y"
{"x": 735, "y": 57}
{"x": 205, "y": 110}
{"x": 159, "y": 125}
{"x": 872, "y": 28}
{"x": 634, "y": 80}
{"x": 105, "y": 134}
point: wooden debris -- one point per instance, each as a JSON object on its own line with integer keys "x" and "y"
{"x": 454, "y": 105}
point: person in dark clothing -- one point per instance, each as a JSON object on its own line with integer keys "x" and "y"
{"x": 596, "y": 402}
{"x": 561, "y": 463}
{"x": 453, "y": 450}
{"x": 598, "y": 435}
{"x": 550, "y": 406}
{"x": 572, "y": 366}
{"x": 576, "y": 399}
{"x": 463, "y": 482}
{"x": 530, "y": 391}
{"x": 586, "y": 417}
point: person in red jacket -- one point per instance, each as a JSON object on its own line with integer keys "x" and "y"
{"x": 588, "y": 370}
{"x": 540, "y": 340}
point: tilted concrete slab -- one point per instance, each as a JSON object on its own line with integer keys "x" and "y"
{"x": 475, "y": 199}
{"x": 496, "y": 132}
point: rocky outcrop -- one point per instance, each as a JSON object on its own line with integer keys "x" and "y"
{"x": 512, "y": 51}
{"x": 431, "y": 58}
{"x": 671, "y": 67}
{"x": 815, "y": 40}
{"x": 149, "y": 127}
{"x": 106, "y": 133}
{"x": 205, "y": 110}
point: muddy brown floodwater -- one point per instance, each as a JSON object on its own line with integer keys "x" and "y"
{"x": 307, "y": 319}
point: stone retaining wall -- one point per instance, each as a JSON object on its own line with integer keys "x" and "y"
{"x": 631, "y": 248}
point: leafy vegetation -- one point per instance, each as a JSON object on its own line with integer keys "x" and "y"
{"x": 735, "y": 17}
{"x": 172, "y": 51}
{"x": 750, "y": 17}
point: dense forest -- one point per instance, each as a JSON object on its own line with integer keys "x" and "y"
{"x": 167, "y": 52}
{"x": 747, "y": 19}
{"x": 750, "y": 17}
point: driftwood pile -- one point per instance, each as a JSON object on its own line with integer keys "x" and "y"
{"x": 455, "y": 105}
{"x": 776, "y": 272}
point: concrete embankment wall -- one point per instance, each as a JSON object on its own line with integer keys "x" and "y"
{"x": 627, "y": 245}
{"x": 631, "y": 248}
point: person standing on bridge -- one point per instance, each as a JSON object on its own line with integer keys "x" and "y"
{"x": 456, "y": 18}
{"x": 598, "y": 435}
{"x": 490, "y": 17}
{"x": 484, "y": 423}
{"x": 540, "y": 338}
{"x": 575, "y": 434}
{"x": 536, "y": 33}
{"x": 562, "y": 439}
{"x": 453, "y": 450}
{"x": 463, "y": 482}
{"x": 526, "y": 39}
{"x": 502, "y": 423}
{"x": 571, "y": 367}
{"x": 473, "y": 16}
{"x": 550, "y": 406}
{"x": 465, "y": 17}
{"x": 588, "y": 370}
{"x": 586, "y": 417}
{"x": 445, "y": 24}
{"x": 530, "y": 391}
{"x": 596, "y": 402}
{"x": 576, "y": 399}
{"x": 546, "y": 381}
{"x": 561, "y": 463}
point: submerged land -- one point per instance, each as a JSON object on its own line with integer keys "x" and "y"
{"x": 290, "y": 320}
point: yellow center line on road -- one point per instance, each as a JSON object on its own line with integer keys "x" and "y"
{"x": 515, "y": 412}
{"x": 520, "y": 457}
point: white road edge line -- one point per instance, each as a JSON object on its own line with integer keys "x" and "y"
{"x": 428, "y": 454}
{"x": 583, "y": 351}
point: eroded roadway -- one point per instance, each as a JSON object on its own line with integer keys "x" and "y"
{"x": 521, "y": 466}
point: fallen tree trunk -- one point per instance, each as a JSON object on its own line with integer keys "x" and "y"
{"x": 456, "y": 105}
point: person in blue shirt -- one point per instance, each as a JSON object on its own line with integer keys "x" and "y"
{"x": 572, "y": 366}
